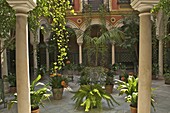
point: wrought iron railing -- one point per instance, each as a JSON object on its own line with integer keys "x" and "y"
{"x": 124, "y": 1}
{"x": 94, "y": 5}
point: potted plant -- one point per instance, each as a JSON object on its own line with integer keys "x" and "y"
{"x": 167, "y": 77}
{"x": 42, "y": 70}
{"x": 123, "y": 73}
{"x": 84, "y": 77}
{"x": 109, "y": 82}
{"x": 69, "y": 68}
{"x": 90, "y": 96}
{"x": 130, "y": 88}
{"x": 38, "y": 93}
{"x": 58, "y": 82}
{"x": 110, "y": 73}
{"x": 12, "y": 81}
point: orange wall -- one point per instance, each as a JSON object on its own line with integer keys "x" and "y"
{"x": 114, "y": 4}
{"x": 76, "y": 5}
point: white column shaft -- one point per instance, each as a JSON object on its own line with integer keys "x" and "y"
{"x": 80, "y": 53}
{"x": 161, "y": 58}
{"x": 47, "y": 59}
{"x": 4, "y": 60}
{"x": 22, "y": 64}
{"x": 35, "y": 59}
{"x": 145, "y": 64}
{"x": 113, "y": 53}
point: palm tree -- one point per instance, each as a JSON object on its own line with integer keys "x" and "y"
{"x": 98, "y": 46}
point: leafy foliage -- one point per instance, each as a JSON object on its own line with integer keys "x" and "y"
{"x": 130, "y": 28}
{"x": 37, "y": 95}
{"x": 130, "y": 88}
{"x": 7, "y": 19}
{"x": 91, "y": 96}
{"x": 164, "y": 5}
{"x": 92, "y": 75}
{"x": 12, "y": 79}
{"x": 55, "y": 12}
{"x": 58, "y": 81}
{"x": 167, "y": 73}
{"x": 99, "y": 45}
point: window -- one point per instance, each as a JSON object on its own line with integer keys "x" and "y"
{"x": 123, "y": 1}
{"x": 95, "y": 4}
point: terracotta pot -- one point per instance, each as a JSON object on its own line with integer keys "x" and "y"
{"x": 133, "y": 109}
{"x": 57, "y": 93}
{"x": 35, "y": 111}
{"x": 13, "y": 89}
{"x": 109, "y": 88}
{"x": 123, "y": 78}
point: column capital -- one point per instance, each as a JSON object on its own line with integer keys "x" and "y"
{"x": 113, "y": 42}
{"x": 22, "y": 6}
{"x": 143, "y": 5}
{"x": 80, "y": 43}
{"x": 80, "y": 40}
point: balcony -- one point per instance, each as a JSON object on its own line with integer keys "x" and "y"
{"x": 94, "y": 5}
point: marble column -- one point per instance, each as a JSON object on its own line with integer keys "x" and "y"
{"x": 22, "y": 55}
{"x": 34, "y": 44}
{"x": 145, "y": 64}
{"x": 145, "y": 53}
{"x": 113, "y": 53}
{"x": 160, "y": 61}
{"x": 80, "y": 53}
{"x": 22, "y": 63}
{"x": 160, "y": 33}
{"x": 47, "y": 57}
{"x": 4, "y": 60}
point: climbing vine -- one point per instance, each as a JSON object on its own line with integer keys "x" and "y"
{"x": 54, "y": 11}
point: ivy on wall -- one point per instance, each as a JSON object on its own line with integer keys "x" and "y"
{"x": 53, "y": 10}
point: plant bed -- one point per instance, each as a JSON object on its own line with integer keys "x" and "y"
{"x": 90, "y": 97}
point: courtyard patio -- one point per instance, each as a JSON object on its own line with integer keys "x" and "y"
{"x": 66, "y": 105}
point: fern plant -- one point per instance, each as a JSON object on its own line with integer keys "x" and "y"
{"x": 130, "y": 88}
{"x": 91, "y": 96}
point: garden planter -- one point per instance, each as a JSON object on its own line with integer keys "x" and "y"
{"x": 13, "y": 89}
{"x": 109, "y": 88}
{"x": 57, "y": 93}
{"x": 133, "y": 109}
{"x": 35, "y": 111}
{"x": 123, "y": 78}
{"x": 167, "y": 80}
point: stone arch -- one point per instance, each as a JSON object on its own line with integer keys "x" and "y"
{"x": 90, "y": 56}
{"x": 95, "y": 21}
{"x": 73, "y": 46}
{"x": 72, "y": 24}
{"x": 118, "y": 23}
{"x": 45, "y": 24}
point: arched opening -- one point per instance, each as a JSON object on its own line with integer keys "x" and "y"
{"x": 72, "y": 46}
{"x": 95, "y": 51}
{"x": 41, "y": 54}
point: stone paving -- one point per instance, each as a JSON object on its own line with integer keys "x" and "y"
{"x": 66, "y": 105}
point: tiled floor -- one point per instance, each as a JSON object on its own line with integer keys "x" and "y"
{"x": 66, "y": 105}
